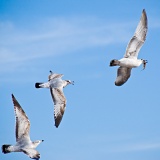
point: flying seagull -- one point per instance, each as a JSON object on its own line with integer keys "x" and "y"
{"x": 23, "y": 142}
{"x": 56, "y": 85}
{"x": 130, "y": 58}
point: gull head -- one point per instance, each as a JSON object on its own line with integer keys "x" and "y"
{"x": 66, "y": 82}
{"x": 70, "y": 82}
{"x": 37, "y": 142}
{"x": 144, "y": 62}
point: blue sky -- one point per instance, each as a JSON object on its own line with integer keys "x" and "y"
{"x": 78, "y": 39}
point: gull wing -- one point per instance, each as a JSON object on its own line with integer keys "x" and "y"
{"x": 22, "y": 122}
{"x": 123, "y": 74}
{"x": 32, "y": 153}
{"x": 59, "y": 104}
{"x": 54, "y": 75}
{"x": 139, "y": 37}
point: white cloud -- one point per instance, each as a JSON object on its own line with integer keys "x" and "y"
{"x": 57, "y": 36}
{"x": 54, "y": 36}
{"x": 135, "y": 147}
{"x": 123, "y": 142}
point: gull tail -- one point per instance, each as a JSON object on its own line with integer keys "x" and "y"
{"x": 114, "y": 62}
{"x": 5, "y": 148}
{"x": 37, "y": 85}
{"x": 42, "y": 85}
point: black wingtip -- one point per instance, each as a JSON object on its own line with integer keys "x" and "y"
{"x": 56, "y": 124}
{"x": 144, "y": 13}
{"x": 13, "y": 97}
{"x": 118, "y": 84}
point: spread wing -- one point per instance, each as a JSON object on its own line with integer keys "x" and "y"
{"x": 32, "y": 153}
{"x": 123, "y": 74}
{"x": 59, "y": 104}
{"x": 22, "y": 122}
{"x": 54, "y": 75}
{"x": 139, "y": 37}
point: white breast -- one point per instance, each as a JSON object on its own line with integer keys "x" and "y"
{"x": 131, "y": 63}
{"x": 56, "y": 83}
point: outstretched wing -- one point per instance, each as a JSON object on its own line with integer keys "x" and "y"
{"x": 22, "y": 122}
{"x": 139, "y": 37}
{"x": 123, "y": 74}
{"x": 32, "y": 153}
{"x": 54, "y": 75}
{"x": 59, "y": 104}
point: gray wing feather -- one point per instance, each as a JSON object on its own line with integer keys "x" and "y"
{"x": 59, "y": 104}
{"x": 139, "y": 37}
{"x": 123, "y": 74}
{"x": 22, "y": 122}
{"x": 32, "y": 153}
{"x": 54, "y": 75}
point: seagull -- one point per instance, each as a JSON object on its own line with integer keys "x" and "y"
{"x": 56, "y": 85}
{"x": 130, "y": 58}
{"x": 23, "y": 142}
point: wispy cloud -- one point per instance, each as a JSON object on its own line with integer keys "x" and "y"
{"x": 57, "y": 36}
{"x": 54, "y": 36}
{"x": 137, "y": 147}
{"x": 134, "y": 144}
{"x": 123, "y": 143}
{"x": 154, "y": 23}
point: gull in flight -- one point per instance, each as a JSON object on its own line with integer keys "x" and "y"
{"x": 130, "y": 58}
{"x": 56, "y": 85}
{"x": 23, "y": 142}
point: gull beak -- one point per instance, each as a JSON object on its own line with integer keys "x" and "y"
{"x": 144, "y": 64}
{"x": 72, "y": 82}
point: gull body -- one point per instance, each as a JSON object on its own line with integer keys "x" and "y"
{"x": 56, "y": 85}
{"x": 23, "y": 141}
{"x": 130, "y": 63}
{"x": 130, "y": 59}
